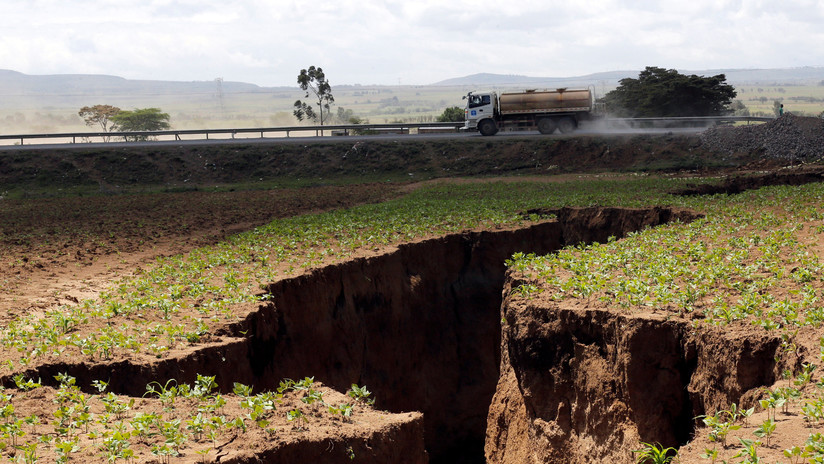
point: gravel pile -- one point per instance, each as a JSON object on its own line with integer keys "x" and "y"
{"x": 788, "y": 137}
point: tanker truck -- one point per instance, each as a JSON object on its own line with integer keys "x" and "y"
{"x": 545, "y": 110}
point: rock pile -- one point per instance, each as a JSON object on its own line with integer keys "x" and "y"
{"x": 789, "y": 137}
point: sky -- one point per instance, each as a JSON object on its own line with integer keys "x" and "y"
{"x": 408, "y": 42}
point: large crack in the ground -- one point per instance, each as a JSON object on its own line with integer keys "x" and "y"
{"x": 419, "y": 326}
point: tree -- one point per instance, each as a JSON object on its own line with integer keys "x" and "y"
{"x": 343, "y": 116}
{"x": 99, "y": 115}
{"x": 144, "y": 119}
{"x": 739, "y": 108}
{"x": 452, "y": 114}
{"x": 662, "y": 92}
{"x": 313, "y": 81}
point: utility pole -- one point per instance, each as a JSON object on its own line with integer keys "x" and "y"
{"x": 219, "y": 83}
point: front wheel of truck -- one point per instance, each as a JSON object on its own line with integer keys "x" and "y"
{"x": 487, "y": 127}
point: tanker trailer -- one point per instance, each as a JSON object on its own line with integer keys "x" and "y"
{"x": 544, "y": 110}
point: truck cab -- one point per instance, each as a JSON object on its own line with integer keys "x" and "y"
{"x": 480, "y": 112}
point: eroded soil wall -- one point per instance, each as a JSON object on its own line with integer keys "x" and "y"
{"x": 420, "y": 326}
{"x": 585, "y": 385}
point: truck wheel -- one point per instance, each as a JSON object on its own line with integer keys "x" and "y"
{"x": 566, "y": 125}
{"x": 487, "y": 127}
{"x": 547, "y": 125}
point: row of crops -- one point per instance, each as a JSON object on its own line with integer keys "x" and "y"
{"x": 182, "y": 299}
{"x": 753, "y": 259}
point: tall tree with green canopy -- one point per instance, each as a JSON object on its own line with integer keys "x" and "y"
{"x": 100, "y": 115}
{"x": 314, "y": 82}
{"x": 452, "y": 114}
{"x": 143, "y": 119}
{"x": 660, "y": 92}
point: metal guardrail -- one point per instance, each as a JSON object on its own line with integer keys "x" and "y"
{"x": 689, "y": 120}
{"x": 346, "y": 129}
{"x": 351, "y": 129}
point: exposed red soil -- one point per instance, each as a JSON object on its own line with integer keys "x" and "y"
{"x": 63, "y": 250}
{"x": 55, "y": 255}
{"x": 367, "y": 435}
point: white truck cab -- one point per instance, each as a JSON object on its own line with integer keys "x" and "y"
{"x": 480, "y": 112}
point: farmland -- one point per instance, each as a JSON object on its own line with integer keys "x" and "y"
{"x": 141, "y": 316}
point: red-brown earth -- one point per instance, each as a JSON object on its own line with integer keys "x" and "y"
{"x": 63, "y": 250}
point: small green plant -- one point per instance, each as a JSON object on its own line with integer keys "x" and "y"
{"x": 721, "y": 424}
{"x": 344, "y": 410}
{"x": 765, "y": 430}
{"x": 711, "y": 454}
{"x": 297, "y": 416}
{"x": 114, "y": 405}
{"x": 361, "y": 394}
{"x": 654, "y": 453}
{"x": 774, "y": 400}
{"x": 794, "y": 454}
{"x": 748, "y": 451}
{"x": 25, "y": 384}
{"x": 64, "y": 449}
{"x": 117, "y": 446}
{"x": 143, "y": 426}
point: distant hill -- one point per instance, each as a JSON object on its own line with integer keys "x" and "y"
{"x": 487, "y": 79}
{"x": 805, "y": 75}
{"x": 18, "y": 84}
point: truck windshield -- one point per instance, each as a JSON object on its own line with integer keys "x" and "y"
{"x": 478, "y": 100}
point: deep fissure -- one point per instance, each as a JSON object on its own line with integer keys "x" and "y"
{"x": 420, "y": 326}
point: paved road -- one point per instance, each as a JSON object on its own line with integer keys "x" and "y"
{"x": 583, "y": 130}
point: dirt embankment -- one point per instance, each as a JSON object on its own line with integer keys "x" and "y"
{"x": 110, "y": 170}
{"x": 584, "y": 386}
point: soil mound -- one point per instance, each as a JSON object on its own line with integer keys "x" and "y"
{"x": 788, "y": 138}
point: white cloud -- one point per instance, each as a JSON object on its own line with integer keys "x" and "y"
{"x": 370, "y": 41}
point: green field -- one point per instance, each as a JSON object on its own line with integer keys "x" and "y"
{"x": 802, "y": 100}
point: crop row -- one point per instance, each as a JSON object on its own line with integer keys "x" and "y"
{"x": 182, "y": 299}
{"x": 754, "y": 257}
{"x": 171, "y": 420}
